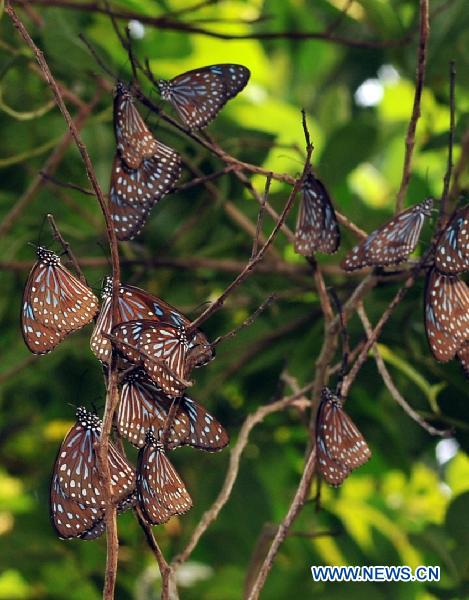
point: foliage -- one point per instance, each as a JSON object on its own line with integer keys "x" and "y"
{"x": 409, "y": 504}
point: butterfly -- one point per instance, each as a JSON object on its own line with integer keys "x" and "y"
{"x": 316, "y": 227}
{"x": 143, "y": 407}
{"x": 76, "y": 469}
{"x": 55, "y": 303}
{"x": 137, "y": 304}
{"x": 161, "y": 492}
{"x": 134, "y": 192}
{"x": 135, "y": 141}
{"x": 446, "y": 314}
{"x": 452, "y": 251}
{"x": 340, "y": 447}
{"x": 161, "y": 348}
{"x": 391, "y": 243}
{"x": 200, "y": 94}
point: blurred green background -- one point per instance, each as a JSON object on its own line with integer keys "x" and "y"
{"x": 409, "y": 504}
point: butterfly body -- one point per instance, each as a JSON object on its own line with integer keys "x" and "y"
{"x": 316, "y": 228}
{"x": 340, "y": 446}
{"x": 199, "y": 95}
{"x": 391, "y": 243}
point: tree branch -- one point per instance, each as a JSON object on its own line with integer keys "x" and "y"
{"x": 424, "y": 32}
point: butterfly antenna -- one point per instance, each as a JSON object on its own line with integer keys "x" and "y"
{"x": 96, "y": 57}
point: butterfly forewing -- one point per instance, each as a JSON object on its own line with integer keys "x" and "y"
{"x": 134, "y": 140}
{"x": 316, "y": 228}
{"x": 393, "y": 242}
{"x": 199, "y": 95}
{"x": 161, "y": 492}
{"x": 452, "y": 251}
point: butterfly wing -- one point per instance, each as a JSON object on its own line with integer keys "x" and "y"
{"x": 72, "y": 519}
{"x": 199, "y": 95}
{"x": 134, "y": 192}
{"x": 452, "y": 252}
{"x": 161, "y": 492}
{"x": 340, "y": 446}
{"x": 317, "y": 227}
{"x": 165, "y": 347}
{"x": 141, "y": 407}
{"x": 134, "y": 140}
{"x": 56, "y": 298}
{"x": 37, "y": 337}
{"x": 75, "y": 466}
{"x": 194, "y": 426}
{"x": 393, "y": 242}
{"x": 449, "y": 298}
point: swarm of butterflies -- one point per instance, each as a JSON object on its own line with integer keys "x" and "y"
{"x": 156, "y": 347}
{"x": 339, "y": 444}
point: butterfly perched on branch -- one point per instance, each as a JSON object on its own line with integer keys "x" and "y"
{"x": 392, "y": 242}
{"x": 144, "y": 170}
{"x": 200, "y": 94}
{"x": 340, "y": 446}
{"x": 137, "y": 304}
{"x": 161, "y": 348}
{"x": 76, "y": 494}
{"x": 452, "y": 251}
{"x": 55, "y": 303}
{"x": 143, "y": 407}
{"x": 317, "y": 229}
{"x": 161, "y": 493}
{"x": 446, "y": 315}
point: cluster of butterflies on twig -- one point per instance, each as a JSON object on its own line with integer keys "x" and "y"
{"x": 156, "y": 347}
{"x": 339, "y": 444}
{"x": 446, "y": 294}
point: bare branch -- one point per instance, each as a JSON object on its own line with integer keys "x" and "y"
{"x": 424, "y": 32}
{"x": 233, "y": 468}
{"x": 390, "y": 383}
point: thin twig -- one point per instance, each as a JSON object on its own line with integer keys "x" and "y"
{"x": 66, "y": 246}
{"x": 250, "y": 266}
{"x": 66, "y": 184}
{"x": 233, "y": 468}
{"x": 385, "y": 375}
{"x": 260, "y": 216}
{"x": 296, "y": 505}
{"x": 424, "y": 31}
{"x": 165, "y": 22}
{"x": 442, "y": 218}
{"x": 247, "y": 323}
{"x": 112, "y": 395}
